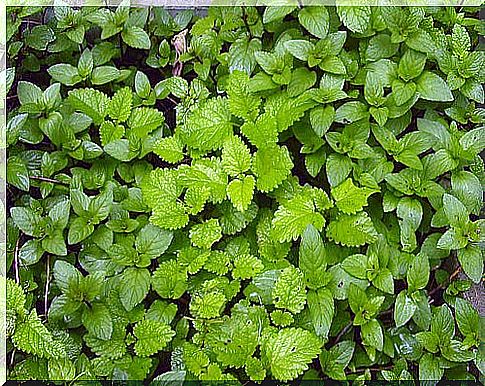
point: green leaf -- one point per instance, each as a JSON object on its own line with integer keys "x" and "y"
{"x": 240, "y": 192}
{"x": 104, "y": 74}
{"x": 91, "y": 102}
{"x": 418, "y": 273}
{"x": 32, "y": 337}
{"x": 467, "y": 318}
{"x": 471, "y": 260}
{"x": 301, "y": 80}
{"x": 170, "y": 280}
{"x": 152, "y": 336}
{"x": 170, "y": 149}
{"x": 272, "y": 14}
{"x": 338, "y": 167}
{"x": 300, "y": 49}
{"x": 410, "y": 213}
{"x": 468, "y": 189}
{"x": 242, "y": 103}
{"x": 457, "y": 352}
{"x": 356, "y": 265}
{"x": 289, "y": 352}
{"x": 271, "y": 166}
{"x": 292, "y": 218}
{"x": 431, "y": 87}
{"x": 246, "y": 266}
{"x": 263, "y": 133}
{"x": 352, "y": 230}
{"x": 349, "y": 198}
{"x": 144, "y": 120}
{"x": 351, "y": 112}
{"x": 355, "y": 18}
{"x": 205, "y": 234}
{"x": 372, "y": 335}
{"x": 79, "y": 230}
{"x": 153, "y": 241}
{"x": 455, "y": 211}
{"x": 136, "y": 37}
{"x": 31, "y": 252}
{"x": 430, "y": 368}
{"x": 411, "y": 65}
{"x": 443, "y": 324}
{"x": 289, "y": 290}
{"x": 65, "y": 74}
{"x": 119, "y": 107}
{"x": 236, "y": 158}
{"x": 321, "y": 307}
{"x": 39, "y": 37}
{"x": 142, "y": 85}
{"x": 135, "y": 286}
{"x": 404, "y": 309}
{"x": 209, "y": 125}
{"x": 18, "y": 173}
{"x": 97, "y": 320}
{"x": 335, "y": 360}
{"x": 55, "y": 244}
{"x": 109, "y": 132}
{"x": 26, "y": 220}
{"x": 316, "y": 20}
{"x": 312, "y": 257}
{"x": 321, "y": 119}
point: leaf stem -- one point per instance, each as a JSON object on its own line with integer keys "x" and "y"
{"x": 50, "y": 180}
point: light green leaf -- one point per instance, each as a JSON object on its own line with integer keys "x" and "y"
{"x": 455, "y": 211}
{"x": 152, "y": 336}
{"x": 431, "y": 87}
{"x": 208, "y": 126}
{"x": 372, "y": 335}
{"x": 471, "y": 260}
{"x": 321, "y": 307}
{"x": 289, "y": 352}
{"x": 355, "y": 18}
{"x": 352, "y": 230}
{"x": 119, "y": 107}
{"x": 240, "y": 192}
{"x": 205, "y": 234}
{"x": 404, "y": 309}
{"x": 236, "y": 158}
{"x": 136, "y": 37}
{"x": 271, "y": 165}
{"x": 349, "y": 198}
{"x": 289, "y": 290}
{"x": 65, "y": 74}
{"x": 91, "y": 102}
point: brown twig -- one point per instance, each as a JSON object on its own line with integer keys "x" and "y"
{"x": 342, "y": 333}
{"x": 446, "y": 282}
{"x": 50, "y": 180}
{"x": 362, "y": 370}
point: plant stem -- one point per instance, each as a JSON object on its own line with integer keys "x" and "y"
{"x": 342, "y": 333}
{"x": 47, "y": 280}
{"x": 16, "y": 261}
{"x": 447, "y": 281}
{"x": 50, "y": 180}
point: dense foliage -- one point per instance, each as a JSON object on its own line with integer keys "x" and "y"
{"x": 259, "y": 193}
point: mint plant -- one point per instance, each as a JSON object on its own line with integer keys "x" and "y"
{"x": 259, "y": 193}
